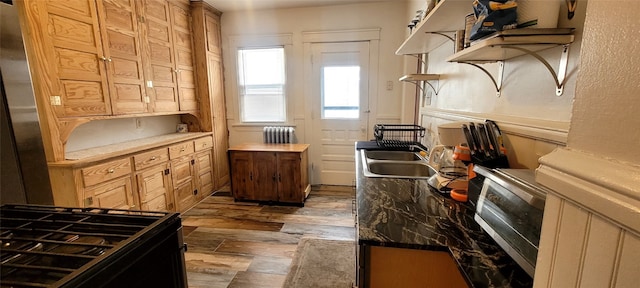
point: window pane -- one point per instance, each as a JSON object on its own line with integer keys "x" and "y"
{"x": 261, "y": 78}
{"x": 341, "y": 92}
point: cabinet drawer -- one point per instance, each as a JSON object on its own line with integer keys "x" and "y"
{"x": 181, "y": 149}
{"x": 151, "y": 158}
{"x": 203, "y": 143}
{"x": 103, "y": 172}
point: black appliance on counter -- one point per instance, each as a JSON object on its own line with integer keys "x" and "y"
{"x": 46, "y": 246}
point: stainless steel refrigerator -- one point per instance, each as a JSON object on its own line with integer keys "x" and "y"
{"x": 25, "y": 177}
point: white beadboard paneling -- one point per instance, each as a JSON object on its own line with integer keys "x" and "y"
{"x": 548, "y": 238}
{"x": 600, "y": 253}
{"x": 591, "y": 238}
{"x": 569, "y": 246}
{"x": 628, "y": 270}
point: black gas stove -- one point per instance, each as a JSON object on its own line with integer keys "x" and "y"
{"x": 46, "y": 246}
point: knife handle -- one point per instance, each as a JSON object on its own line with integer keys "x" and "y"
{"x": 470, "y": 142}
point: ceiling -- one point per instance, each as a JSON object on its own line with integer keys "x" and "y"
{"x": 239, "y": 5}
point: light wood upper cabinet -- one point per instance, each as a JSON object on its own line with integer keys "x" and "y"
{"x": 212, "y": 28}
{"x": 185, "y": 71}
{"x": 73, "y": 48}
{"x": 162, "y": 63}
{"x": 121, "y": 35}
{"x": 114, "y": 57}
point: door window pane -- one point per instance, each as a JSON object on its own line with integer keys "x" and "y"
{"x": 341, "y": 92}
{"x": 261, "y": 79}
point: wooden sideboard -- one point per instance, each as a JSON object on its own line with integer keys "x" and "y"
{"x": 270, "y": 172}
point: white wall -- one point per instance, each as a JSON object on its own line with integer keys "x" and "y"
{"x": 590, "y": 232}
{"x": 535, "y": 119}
{"x": 389, "y": 16}
{"x": 105, "y": 132}
{"x": 606, "y": 119}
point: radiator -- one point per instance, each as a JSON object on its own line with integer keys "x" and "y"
{"x": 278, "y": 134}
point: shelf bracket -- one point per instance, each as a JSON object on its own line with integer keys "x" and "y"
{"x": 419, "y": 57}
{"x": 497, "y": 82}
{"x": 424, "y": 92}
{"x": 560, "y": 77}
{"x": 444, "y": 35}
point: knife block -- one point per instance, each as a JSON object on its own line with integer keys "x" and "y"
{"x": 494, "y": 162}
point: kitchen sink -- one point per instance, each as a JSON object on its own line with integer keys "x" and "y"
{"x": 407, "y": 169}
{"x": 392, "y": 155}
{"x": 395, "y": 164}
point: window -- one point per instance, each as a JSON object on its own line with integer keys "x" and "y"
{"x": 261, "y": 81}
{"x": 340, "y": 92}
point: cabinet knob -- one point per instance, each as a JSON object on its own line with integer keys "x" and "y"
{"x": 153, "y": 158}
{"x": 111, "y": 170}
{"x": 182, "y": 150}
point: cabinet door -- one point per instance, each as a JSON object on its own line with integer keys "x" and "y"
{"x": 242, "y": 175}
{"x": 265, "y": 172}
{"x": 73, "y": 49}
{"x": 116, "y": 194}
{"x": 161, "y": 52}
{"x": 184, "y": 188}
{"x": 205, "y": 174}
{"x": 220, "y": 131}
{"x": 212, "y": 30}
{"x": 121, "y": 35}
{"x": 183, "y": 49}
{"x": 155, "y": 189}
{"x": 290, "y": 188}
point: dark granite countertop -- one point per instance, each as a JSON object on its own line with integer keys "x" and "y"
{"x": 409, "y": 213}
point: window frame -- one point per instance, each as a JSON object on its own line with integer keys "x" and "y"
{"x": 239, "y": 42}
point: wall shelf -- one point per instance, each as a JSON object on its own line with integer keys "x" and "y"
{"x": 444, "y": 19}
{"x": 424, "y": 78}
{"x": 502, "y": 47}
{"x": 499, "y": 48}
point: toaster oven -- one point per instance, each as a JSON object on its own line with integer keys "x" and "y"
{"x": 510, "y": 209}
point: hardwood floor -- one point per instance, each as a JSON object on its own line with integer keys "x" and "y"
{"x": 245, "y": 244}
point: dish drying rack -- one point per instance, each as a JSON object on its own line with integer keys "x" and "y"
{"x": 398, "y": 135}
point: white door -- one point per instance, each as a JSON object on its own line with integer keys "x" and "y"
{"x": 340, "y": 109}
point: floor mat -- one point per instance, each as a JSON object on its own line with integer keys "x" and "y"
{"x": 322, "y": 263}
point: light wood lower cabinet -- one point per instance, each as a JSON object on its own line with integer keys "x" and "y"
{"x": 155, "y": 189}
{"x": 204, "y": 179}
{"x": 403, "y": 267}
{"x": 169, "y": 178}
{"x": 117, "y": 194}
{"x": 184, "y": 188}
{"x": 270, "y": 172}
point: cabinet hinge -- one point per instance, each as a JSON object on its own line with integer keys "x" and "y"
{"x": 166, "y": 171}
{"x": 88, "y": 201}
